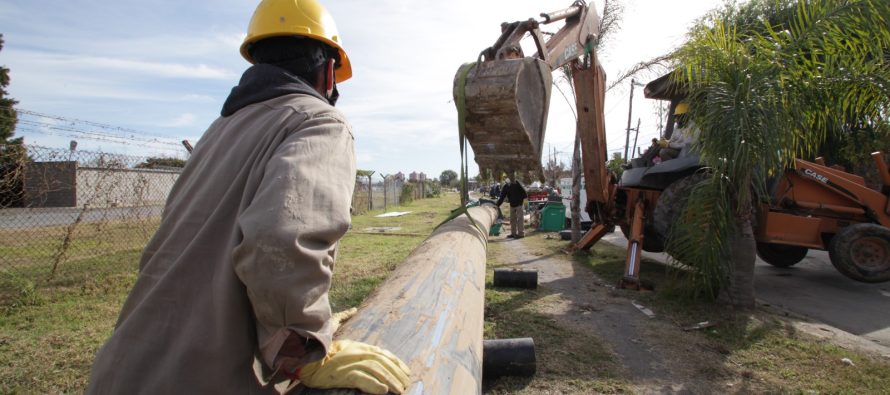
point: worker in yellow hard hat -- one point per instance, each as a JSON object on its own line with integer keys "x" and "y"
{"x": 232, "y": 292}
{"x": 683, "y": 136}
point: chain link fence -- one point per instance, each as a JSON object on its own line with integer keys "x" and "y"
{"x": 66, "y": 207}
{"x": 61, "y": 207}
{"x": 383, "y": 195}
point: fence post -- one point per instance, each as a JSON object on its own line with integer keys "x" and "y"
{"x": 370, "y": 192}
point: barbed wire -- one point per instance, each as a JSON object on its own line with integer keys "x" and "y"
{"x": 80, "y": 129}
{"x": 92, "y": 123}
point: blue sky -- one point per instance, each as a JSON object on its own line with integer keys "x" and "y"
{"x": 165, "y": 67}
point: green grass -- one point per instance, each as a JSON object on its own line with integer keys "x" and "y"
{"x": 365, "y": 259}
{"x": 49, "y": 335}
{"x": 47, "y": 346}
{"x": 30, "y": 254}
{"x": 51, "y": 327}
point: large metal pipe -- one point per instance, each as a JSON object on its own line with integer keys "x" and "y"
{"x": 429, "y": 312}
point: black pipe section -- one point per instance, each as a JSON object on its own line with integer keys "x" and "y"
{"x": 516, "y": 278}
{"x": 508, "y": 357}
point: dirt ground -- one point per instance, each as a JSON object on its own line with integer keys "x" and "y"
{"x": 647, "y": 348}
{"x": 656, "y": 355}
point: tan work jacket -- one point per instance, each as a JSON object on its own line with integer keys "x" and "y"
{"x": 244, "y": 253}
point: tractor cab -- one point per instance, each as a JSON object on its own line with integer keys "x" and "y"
{"x": 649, "y": 171}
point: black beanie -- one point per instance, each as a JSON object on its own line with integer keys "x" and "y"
{"x": 293, "y": 53}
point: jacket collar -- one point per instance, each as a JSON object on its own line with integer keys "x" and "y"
{"x": 262, "y": 82}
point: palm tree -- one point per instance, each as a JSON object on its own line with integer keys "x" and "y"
{"x": 768, "y": 82}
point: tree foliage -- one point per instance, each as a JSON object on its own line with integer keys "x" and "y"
{"x": 770, "y": 81}
{"x": 448, "y": 178}
{"x": 13, "y": 155}
{"x": 553, "y": 171}
{"x": 8, "y": 116}
{"x": 158, "y": 162}
{"x": 616, "y": 164}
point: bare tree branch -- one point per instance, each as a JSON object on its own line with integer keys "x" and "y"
{"x": 610, "y": 22}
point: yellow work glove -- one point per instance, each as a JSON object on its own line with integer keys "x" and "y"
{"x": 357, "y": 365}
{"x": 339, "y": 318}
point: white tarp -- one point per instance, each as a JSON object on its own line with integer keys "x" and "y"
{"x": 393, "y": 214}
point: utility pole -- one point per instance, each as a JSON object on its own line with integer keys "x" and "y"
{"x": 630, "y": 106}
{"x": 636, "y": 136}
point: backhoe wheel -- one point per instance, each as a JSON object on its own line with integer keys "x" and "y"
{"x": 671, "y": 202}
{"x": 862, "y": 252}
{"x": 780, "y": 255}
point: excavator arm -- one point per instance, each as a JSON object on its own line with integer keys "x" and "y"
{"x": 503, "y": 101}
{"x": 506, "y": 97}
{"x": 572, "y": 41}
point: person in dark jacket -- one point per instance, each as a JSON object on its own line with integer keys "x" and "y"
{"x": 515, "y": 194}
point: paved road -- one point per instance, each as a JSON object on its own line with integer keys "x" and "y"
{"x": 28, "y": 218}
{"x": 813, "y": 288}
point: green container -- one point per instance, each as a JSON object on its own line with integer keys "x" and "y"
{"x": 553, "y": 217}
{"x": 495, "y": 229}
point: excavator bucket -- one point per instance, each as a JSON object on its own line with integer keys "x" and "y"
{"x": 504, "y": 112}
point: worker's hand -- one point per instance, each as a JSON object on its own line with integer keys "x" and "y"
{"x": 663, "y": 143}
{"x": 357, "y": 365}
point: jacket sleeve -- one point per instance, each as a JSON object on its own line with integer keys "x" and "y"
{"x": 678, "y": 139}
{"x": 290, "y": 231}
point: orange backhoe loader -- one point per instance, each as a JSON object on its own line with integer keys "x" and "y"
{"x": 819, "y": 207}
{"x": 503, "y": 100}
{"x": 811, "y": 206}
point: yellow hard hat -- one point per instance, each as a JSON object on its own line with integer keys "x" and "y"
{"x": 307, "y": 18}
{"x": 681, "y": 109}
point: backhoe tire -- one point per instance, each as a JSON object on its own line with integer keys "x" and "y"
{"x": 781, "y": 255}
{"x": 671, "y": 202}
{"x": 862, "y": 252}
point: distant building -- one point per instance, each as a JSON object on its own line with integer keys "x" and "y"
{"x": 413, "y": 177}
{"x": 67, "y": 184}
{"x": 399, "y": 177}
